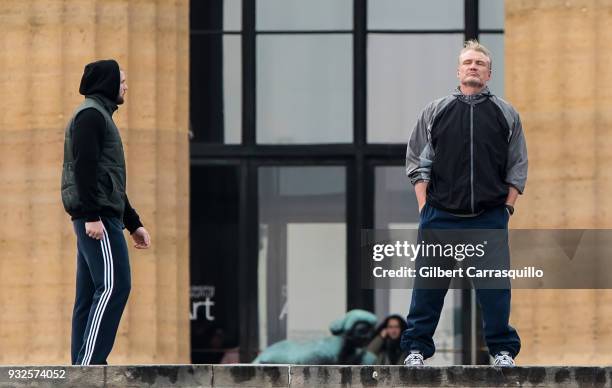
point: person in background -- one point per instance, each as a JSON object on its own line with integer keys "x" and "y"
{"x": 386, "y": 342}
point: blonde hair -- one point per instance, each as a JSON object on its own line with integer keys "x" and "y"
{"x": 473, "y": 44}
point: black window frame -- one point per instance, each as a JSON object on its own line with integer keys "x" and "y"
{"x": 359, "y": 157}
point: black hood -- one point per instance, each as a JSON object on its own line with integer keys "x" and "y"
{"x": 101, "y": 77}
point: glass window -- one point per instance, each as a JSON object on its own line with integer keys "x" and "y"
{"x": 405, "y": 72}
{"x": 491, "y": 14}
{"x": 302, "y": 242}
{"x": 214, "y": 265}
{"x": 304, "y": 89}
{"x": 216, "y": 89}
{"x": 304, "y": 14}
{"x": 495, "y": 44}
{"x": 415, "y": 15}
{"x": 395, "y": 207}
{"x": 216, "y": 15}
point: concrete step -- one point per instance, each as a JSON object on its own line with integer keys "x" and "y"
{"x": 245, "y": 375}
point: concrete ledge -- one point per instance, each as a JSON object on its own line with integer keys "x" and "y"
{"x": 243, "y": 375}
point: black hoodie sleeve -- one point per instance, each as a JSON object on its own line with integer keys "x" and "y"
{"x": 131, "y": 220}
{"x": 87, "y": 140}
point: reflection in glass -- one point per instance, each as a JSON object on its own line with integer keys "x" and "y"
{"x": 215, "y": 15}
{"x": 405, "y": 72}
{"x": 214, "y": 220}
{"x": 491, "y": 14}
{"x": 415, "y": 15}
{"x": 304, "y": 89}
{"x": 495, "y": 44}
{"x": 304, "y": 14}
{"x": 302, "y": 257}
{"x": 215, "y": 89}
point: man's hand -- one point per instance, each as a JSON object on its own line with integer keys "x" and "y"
{"x": 420, "y": 190}
{"x": 141, "y": 238}
{"x": 95, "y": 229}
{"x": 511, "y": 199}
{"x": 512, "y": 195}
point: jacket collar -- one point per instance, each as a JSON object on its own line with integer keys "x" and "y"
{"x": 109, "y": 105}
{"x": 473, "y": 98}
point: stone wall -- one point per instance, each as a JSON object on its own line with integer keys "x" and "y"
{"x": 558, "y": 75}
{"x": 44, "y": 45}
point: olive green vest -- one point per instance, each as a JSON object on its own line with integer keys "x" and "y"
{"x": 111, "y": 175}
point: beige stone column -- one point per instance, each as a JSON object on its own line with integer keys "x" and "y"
{"x": 44, "y": 45}
{"x": 559, "y": 77}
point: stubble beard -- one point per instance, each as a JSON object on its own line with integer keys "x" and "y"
{"x": 473, "y": 82}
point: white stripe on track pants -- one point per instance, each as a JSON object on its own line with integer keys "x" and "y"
{"x": 102, "y": 289}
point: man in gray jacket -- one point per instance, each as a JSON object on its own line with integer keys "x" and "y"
{"x": 467, "y": 160}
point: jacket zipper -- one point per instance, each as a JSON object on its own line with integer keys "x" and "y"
{"x": 472, "y": 156}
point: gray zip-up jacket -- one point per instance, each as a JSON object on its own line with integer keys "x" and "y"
{"x": 470, "y": 149}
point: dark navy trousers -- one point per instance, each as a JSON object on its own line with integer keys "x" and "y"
{"x": 102, "y": 289}
{"x": 426, "y": 304}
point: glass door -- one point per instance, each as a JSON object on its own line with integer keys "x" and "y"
{"x": 302, "y": 251}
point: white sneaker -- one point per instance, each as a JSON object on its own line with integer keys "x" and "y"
{"x": 503, "y": 359}
{"x": 415, "y": 358}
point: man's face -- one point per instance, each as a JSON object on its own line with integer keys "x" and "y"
{"x": 474, "y": 69}
{"x": 123, "y": 87}
{"x": 394, "y": 329}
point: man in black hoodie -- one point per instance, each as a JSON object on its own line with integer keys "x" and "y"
{"x": 94, "y": 194}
